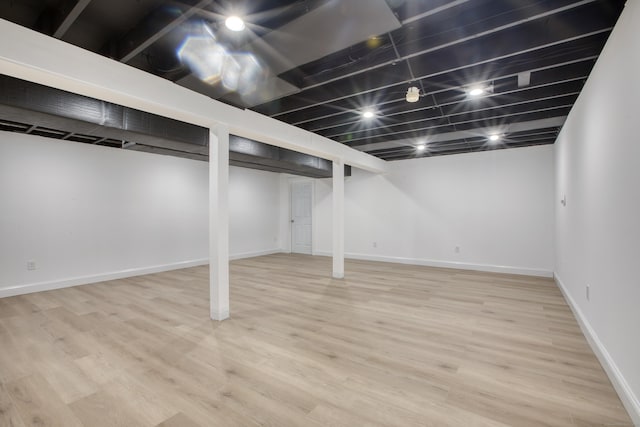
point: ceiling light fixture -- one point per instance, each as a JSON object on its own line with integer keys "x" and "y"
{"x": 234, "y": 23}
{"x": 413, "y": 94}
{"x": 421, "y": 147}
{"x": 367, "y": 114}
{"x": 374, "y": 42}
{"x": 494, "y": 137}
{"x": 476, "y": 91}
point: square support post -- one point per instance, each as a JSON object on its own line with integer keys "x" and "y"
{"x": 219, "y": 222}
{"x": 338, "y": 219}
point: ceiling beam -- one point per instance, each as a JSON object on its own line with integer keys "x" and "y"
{"x": 144, "y": 36}
{"x": 433, "y": 11}
{"x": 41, "y": 59}
{"x": 75, "y": 9}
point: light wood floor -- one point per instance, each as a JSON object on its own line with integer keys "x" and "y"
{"x": 390, "y": 345}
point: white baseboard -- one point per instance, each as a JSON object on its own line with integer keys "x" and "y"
{"x": 254, "y": 254}
{"x": 626, "y": 394}
{"x": 102, "y": 277}
{"x": 85, "y": 280}
{"x": 447, "y": 264}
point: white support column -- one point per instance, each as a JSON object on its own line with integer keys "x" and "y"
{"x": 338, "y": 219}
{"x": 219, "y": 222}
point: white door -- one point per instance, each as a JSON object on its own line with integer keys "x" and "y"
{"x": 301, "y": 225}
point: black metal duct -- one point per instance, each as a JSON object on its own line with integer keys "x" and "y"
{"x": 39, "y": 105}
{"x": 36, "y": 109}
{"x": 252, "y": 154}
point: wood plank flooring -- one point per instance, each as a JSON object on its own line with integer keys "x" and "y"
{"x": 391, "y": 345}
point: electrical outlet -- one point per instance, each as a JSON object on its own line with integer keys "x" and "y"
{"x": 375, "y": 244}
{"x": 457, "y": 249}
{"x": 588, "y": 293}
{"x": 31, "y": 265}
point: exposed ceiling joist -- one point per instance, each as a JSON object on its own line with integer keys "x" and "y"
{"x": 477, "y": 110}
{"x": 438, "y": 91}
{"x": 433, "y": 11}
{"x": 75, "y": 9}
{"x": 478, "y": 132}
{"x": 306, "y": 39}
{"x": 461, "y": 102}
{"x": 495, "y": 118}
{"x": 144, "y": 36}
{"x": 450, "y": 70}
{"x": 443, "y": 46}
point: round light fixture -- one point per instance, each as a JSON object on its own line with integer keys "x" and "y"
{"x": 367, "y": 114}
{"x": 413, "y": 94}
{"x": 494, "y": 137}
{"x": 234, "y": 23}
{"x": 373, "y": 42}
{"x": 421, "y": 147}
{"x": 476, "y": 91}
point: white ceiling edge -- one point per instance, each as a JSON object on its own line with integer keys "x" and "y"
{"x": 29, "y": 55}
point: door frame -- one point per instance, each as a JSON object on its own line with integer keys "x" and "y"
{"x": 290, "y": 183}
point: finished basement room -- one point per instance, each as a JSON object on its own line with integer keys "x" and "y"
{"x": 319, "y": 213}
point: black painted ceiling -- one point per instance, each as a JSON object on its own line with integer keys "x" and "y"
{"x": 322, "y": 63}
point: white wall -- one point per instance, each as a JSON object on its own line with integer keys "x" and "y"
{"x": 88, "y": 213}
{"x": 598, "y": 232}
{"x": 254, "y": 212}
{"x": 496, "y": 206}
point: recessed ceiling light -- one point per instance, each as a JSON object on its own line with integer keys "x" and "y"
{"x": 367, "y": 114}
{"x": 494, "y": 137}
{"x": 421, "y": 147}
{"x": 476, "y": 91}
{"x": 234, "y": 23}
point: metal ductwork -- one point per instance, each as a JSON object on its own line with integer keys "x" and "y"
{"x": 40, "y": 110}
{"x": 48, "y": 108}
{"x": 255, "y": 155}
